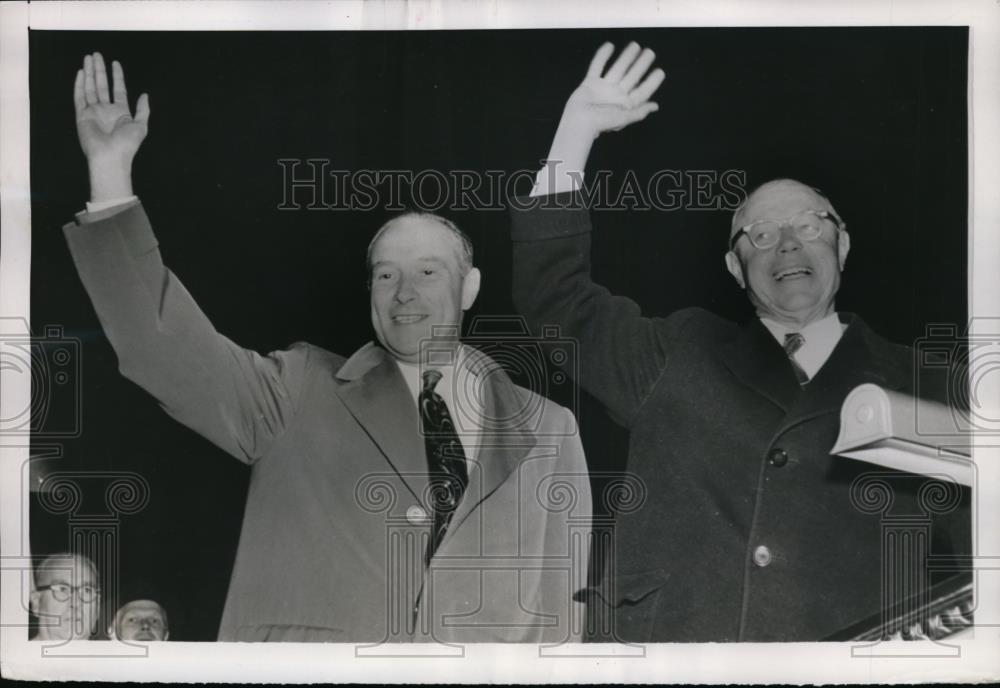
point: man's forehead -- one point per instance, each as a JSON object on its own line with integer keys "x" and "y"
{"x": 142, "y": 607}
{"x": 778, "y": 200}
{"x": 417, "y": 236}
{"x": 66, "y": 571}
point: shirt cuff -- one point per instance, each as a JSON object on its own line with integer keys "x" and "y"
{"x": 104, "y": 205}
{"x": 552, "y": 180}
{"x": 557, "y": 216}
{"x": 102, "y": 210}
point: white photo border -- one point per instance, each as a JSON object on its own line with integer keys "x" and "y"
{"x": 702, "y": 663}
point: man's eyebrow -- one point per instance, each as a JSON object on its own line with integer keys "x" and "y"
{"x": 436, "y": 260}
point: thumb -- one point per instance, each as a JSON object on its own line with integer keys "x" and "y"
{"x": 640, "y": 113}
{"x": 142, "y": 109}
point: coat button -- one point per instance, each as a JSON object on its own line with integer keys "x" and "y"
{"x": 778, "y": 457}
{"x": 762, "y": 556}
{"x": 417, "y": 515}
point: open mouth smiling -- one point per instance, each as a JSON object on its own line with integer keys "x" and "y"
{"x": 797, "y": 272}
{"x": 408, "y": 318}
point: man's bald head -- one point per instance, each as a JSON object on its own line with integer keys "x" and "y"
{"x": 65, "y": 563}
{"x": 771, "y": 199}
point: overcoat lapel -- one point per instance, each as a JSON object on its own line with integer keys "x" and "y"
{"x": 376, "y": 395}
{"x": 860, "y": 356}
{"x": 761, "y": 364}
{"x": 504, "y": 442}
{"x": 378, "y": 398}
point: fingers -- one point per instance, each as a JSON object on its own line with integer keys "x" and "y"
{"x": 101, "y": 75}
{"x": 121, "y": 95}
{"x": 637, "y": 69}
{"x": 623, "y": 62}
{"x": 648, "y": 86}
{"x": 599, "y": 60}
{"x": 79, "y": 101}
{"x": 142, "y": 109}
{"x": 89, "y": 87}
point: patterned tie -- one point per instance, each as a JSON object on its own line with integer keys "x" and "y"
{"x": 794, "y": 342}
{"x": 445, "y": 459}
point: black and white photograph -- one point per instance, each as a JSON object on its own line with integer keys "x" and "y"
{"x": 484, "y": 342}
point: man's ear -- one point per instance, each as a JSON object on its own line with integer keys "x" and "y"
{"x": 166, "y": 636}
{"x": 735, "y": 268}
{"x": 843, "y": 246}
{"x": 470, "y": 288}
{"x": 111, "y": 631}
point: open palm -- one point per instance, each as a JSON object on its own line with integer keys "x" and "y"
{"x": 106, "y": 127}
{"x": 618, "y": 98}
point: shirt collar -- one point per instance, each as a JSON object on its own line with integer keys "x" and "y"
{"x": 821, "y": 337}
{"x": 463, "y": 374}
{"x": 825, "y": 328}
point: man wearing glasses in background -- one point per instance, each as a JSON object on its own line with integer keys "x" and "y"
{"x": 748, "y": 532}
{"x": 66, "y": 598}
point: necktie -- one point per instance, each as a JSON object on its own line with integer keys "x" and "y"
{"x": 445, "y": 459}
{"x": 794, "y": 342}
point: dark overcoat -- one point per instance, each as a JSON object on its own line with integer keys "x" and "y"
{"x": 749, "y": 528}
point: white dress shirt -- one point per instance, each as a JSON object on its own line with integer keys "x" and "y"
{"x": 104, "y": 205}
{"x": 553, "y": 179}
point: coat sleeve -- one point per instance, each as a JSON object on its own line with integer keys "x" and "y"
{"x": 620, "y": 353}
{"x": 236, "y": 398}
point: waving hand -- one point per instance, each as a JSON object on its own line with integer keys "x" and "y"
{"x": 605, "y": 101}
{"x": 618, "y": 98}
{"x": 109, "y": 135}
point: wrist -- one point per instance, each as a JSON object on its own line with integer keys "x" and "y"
{"x": 576, "y": 124}
{"x": 571, "y": 145}
{"x": 110, "y": 178}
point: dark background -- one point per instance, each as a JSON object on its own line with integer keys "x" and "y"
{"x": 876, "y": 117}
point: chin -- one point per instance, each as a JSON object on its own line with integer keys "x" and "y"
{"x": 797, "y": 303}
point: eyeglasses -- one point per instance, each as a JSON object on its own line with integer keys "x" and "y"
{"x": 61, "y": 592}
{"x": 807, "y": 225}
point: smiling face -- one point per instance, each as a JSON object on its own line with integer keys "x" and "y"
{"x": 417, "y": 284}
{"x": 140, "y": 620}
{"x": 795, "y": 281}
{"x": 62, "y": 615}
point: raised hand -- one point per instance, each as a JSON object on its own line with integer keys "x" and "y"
{"x": 602, "y": 103}
{"x": 109, "y": 135}
{"x": 103, "y": 120}
{"x": 618, "y": 98}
